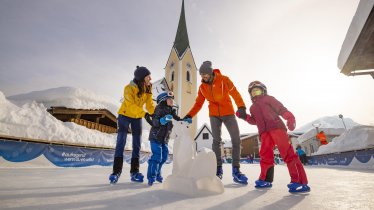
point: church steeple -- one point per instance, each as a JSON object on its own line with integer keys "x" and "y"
{"x": 181, "y": 39}
{"x": 181, "y": 72}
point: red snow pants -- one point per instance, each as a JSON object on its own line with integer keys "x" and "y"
{"x": 279, "y": 137}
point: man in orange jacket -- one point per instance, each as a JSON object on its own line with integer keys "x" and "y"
{"x": 322, "y": 138}
{"x": 217, "y": 89}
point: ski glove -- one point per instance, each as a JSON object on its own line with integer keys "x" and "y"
{"x": 148, "y": 118}
{"x": 187, "y": 119}
{"x": 167, "y": 118}
{"x": 247, "y": 118}
{"x": 241, "y": 113}
{"x": 291, "y": 122}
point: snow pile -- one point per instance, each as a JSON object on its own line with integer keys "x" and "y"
{"x": 357, "y": 138}
{"x": 328, "y": 132}
{"x": 327, "y": 122}
{"x": 30, "y": 118}
{"x": 70, "y": 97}
{"x": 193, "y": 174}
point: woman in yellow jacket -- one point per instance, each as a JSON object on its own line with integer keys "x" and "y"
{"x": 131, "y": 112}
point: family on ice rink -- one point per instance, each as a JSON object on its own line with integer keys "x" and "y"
{"x": 265, "y": 112}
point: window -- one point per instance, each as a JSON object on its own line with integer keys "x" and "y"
{"x": 205, "y": 135}
{"x": 188, "y": 76}
{"x": 172, "y": 76}
{"x": 188, "y": 73}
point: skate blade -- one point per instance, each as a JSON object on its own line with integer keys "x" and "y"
{"x": 137, "y": 180}
{"x": 302, "y": 190}
{"x": 241, "y": 182}
{"x": 263, "y": 186}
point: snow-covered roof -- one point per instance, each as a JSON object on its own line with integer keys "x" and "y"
{"x": 70, "y": 97}
{"x": 247, "y": 135}
{"x": 203, "y": 127}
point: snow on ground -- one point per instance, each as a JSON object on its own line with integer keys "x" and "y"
{"x": 88, "y": 188}
{"x": 357, "y": 138}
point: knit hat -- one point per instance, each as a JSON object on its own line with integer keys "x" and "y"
{"x": 206, "y": 68}
{"x": 141, "y": 72}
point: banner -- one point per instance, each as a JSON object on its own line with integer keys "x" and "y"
{"x": 62, "y": 155}
{"x": 342, "y": 159}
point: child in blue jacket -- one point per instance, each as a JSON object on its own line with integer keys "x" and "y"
{"x": 159, "y": 135}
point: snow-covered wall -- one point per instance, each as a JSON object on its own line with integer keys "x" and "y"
{"x": 357, "y": 138}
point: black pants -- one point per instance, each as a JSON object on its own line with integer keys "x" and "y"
{"x": 303, "y": 159}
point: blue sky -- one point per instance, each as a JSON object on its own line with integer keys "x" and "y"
{"x": 291, "y": 46}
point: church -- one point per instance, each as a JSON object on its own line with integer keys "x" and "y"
{"x": 180, "y": 73}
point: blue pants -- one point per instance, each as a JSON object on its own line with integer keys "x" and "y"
{"x": 136, "y": 128}
{"x": 160, "y": 153}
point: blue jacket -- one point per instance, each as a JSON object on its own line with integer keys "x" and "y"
{"x": 159, "y": 132}
{"x": 300, "y": 152}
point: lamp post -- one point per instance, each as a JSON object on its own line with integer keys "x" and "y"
{"x": 318, "y": 143}
{"x": 316, "y": 125}
{"x": 341, "y": 117}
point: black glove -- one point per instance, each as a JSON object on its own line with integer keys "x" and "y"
{"x": 148, "y": 118}
{"x": 186, "y": 117}
{"x": 242, "y": 113}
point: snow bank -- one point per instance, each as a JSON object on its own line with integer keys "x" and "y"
{"x": 327, "y": 122}
{"x": 70, "y": 97}
{"x": 30, "y": 119}
{"x": 357, "y": 138}
{"x": 312, "y": 133}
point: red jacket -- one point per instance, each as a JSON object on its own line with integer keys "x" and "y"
{"x": 265, "y": 112}
{"x": 218, "y": 94}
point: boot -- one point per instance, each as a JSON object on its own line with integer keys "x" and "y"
{"x": 117, "y": 170}
{"x": 136, "y": 176}
{"x": 270, "y": 174}
{"x": 238, "y": 176}
{"x": 219, "y": 173}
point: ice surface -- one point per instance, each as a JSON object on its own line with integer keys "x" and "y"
{"x": 88, "y": 188}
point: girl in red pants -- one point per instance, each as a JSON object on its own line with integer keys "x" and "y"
{"x": 264, "y": 113}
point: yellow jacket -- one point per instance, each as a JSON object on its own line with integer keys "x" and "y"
{"x": 132, "y": 105}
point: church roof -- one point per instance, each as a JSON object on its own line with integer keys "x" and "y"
{"x": 181, "y": 39}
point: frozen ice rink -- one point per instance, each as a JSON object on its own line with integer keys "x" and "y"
{"x": 88, "y": 188}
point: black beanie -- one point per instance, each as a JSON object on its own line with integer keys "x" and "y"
{"x": 141, "y": 72}
{"x": 206, "y": 68}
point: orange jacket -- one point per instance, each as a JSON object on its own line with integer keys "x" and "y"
{"x": 322, "y": 138}
{"x": 218, "y": 95}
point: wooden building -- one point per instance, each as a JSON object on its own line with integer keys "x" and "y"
{"x": 98, "y": 119}
{"x": 250, "y": 144}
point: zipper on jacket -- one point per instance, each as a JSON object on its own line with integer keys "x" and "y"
{"x": 211, "y": 90}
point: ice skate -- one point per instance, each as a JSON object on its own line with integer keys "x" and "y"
{"x": 137, "y": 177}
{"x": 219, "y": 173}
{"x": 263, "y": 184}
{"x": 151, "y": 181}
{"x": 297, "y": 188}
{"x": 113, "y": 178}
{"x": 159, "y": 178}
{"x": 238, "y": 177}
